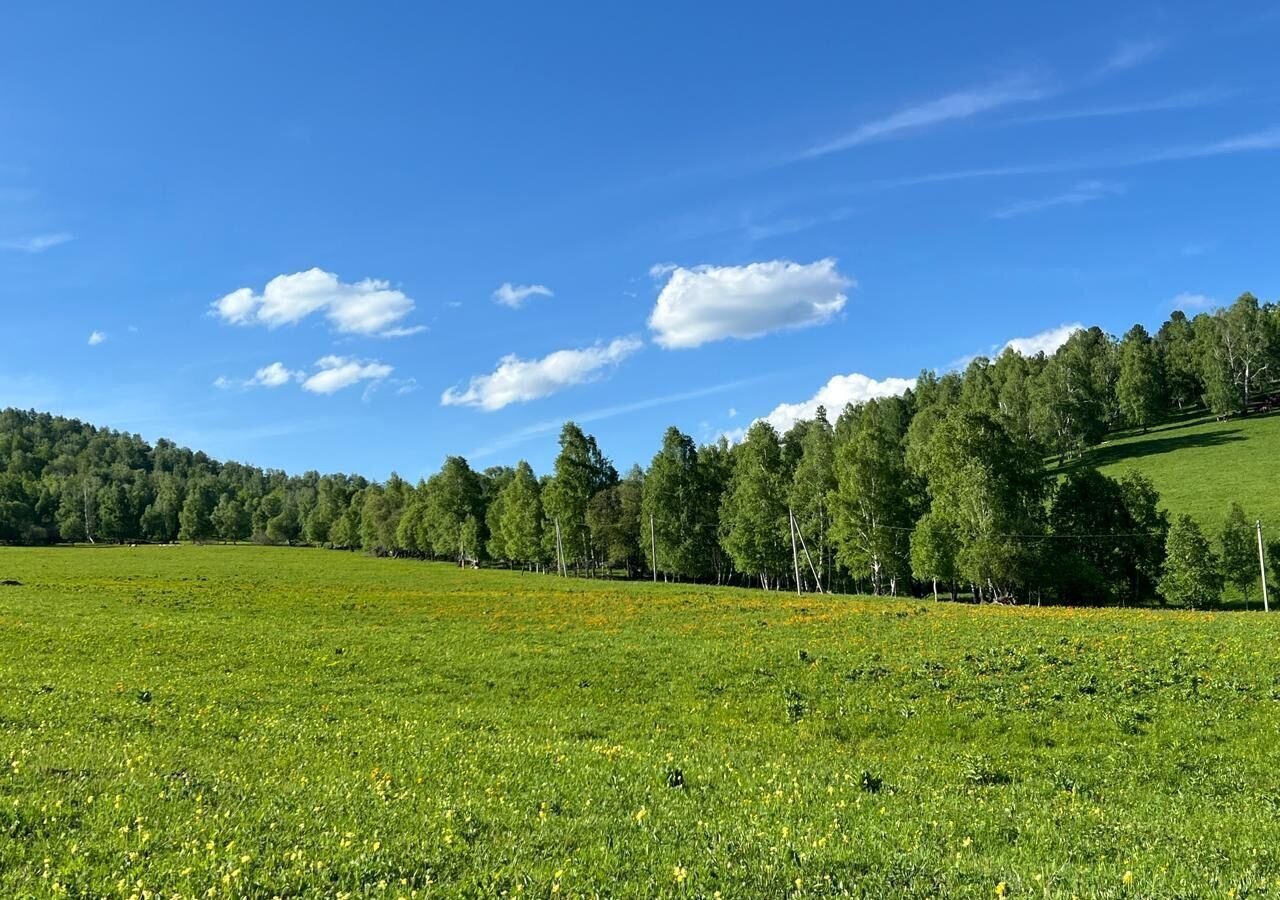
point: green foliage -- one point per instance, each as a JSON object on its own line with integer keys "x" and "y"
{"x": 672, "y": 500}
{"x": 195, "y": 520}
{"x": 986, "y": 489}
{"x": 613, "y": 516}
{"x": 580, "y": 471}
{"x": 522, "y": 517}
{"x": 872, "y": 513}
{"x": 934, "y": 547}
{"x": 810, "y": 496}
{"x": 1140, "y": 388}
{"x": 753, "y": 516}
{"x": 1239, "y": 551}
{"x": 1179, "y": 361}
{"x": 1192, "y": 577}
{"x": 1070, "y": 396}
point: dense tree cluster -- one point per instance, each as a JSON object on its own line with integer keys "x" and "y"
{"x": 969, "y": 483}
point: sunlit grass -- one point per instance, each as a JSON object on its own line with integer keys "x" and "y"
{"x": 1201, "y": 466}
{"x": 243, "y": 721}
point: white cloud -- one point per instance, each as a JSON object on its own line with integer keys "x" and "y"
{"x": 96, "y": 338}
{"x": 274, "y": 375}
{"x": 1186, "y": 100}
{"x": 518, "y": 380}
{"x": 659, "y": 271}
{"x": 1045, "y": 342}
{"x": 368, "y": 307}
{"x": 514, "y": 295}
{"x": 837, "y": 393}
{"x": 404, "y": 332}
{"x": 710, "y": 303}
{"x": 957, "y": 105}
{"x": 1082, "y": 193}
{"x": 333, "y": 374}
{"x": 1131, "y": 54}
{"x": 1187, "y": 300}
{"x": 733, "y": 412}
{"x": 338, "y": 372}
{"x": 37, "y": 243}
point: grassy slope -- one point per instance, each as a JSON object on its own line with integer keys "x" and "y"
{"x": 267, "y": 721}
{"x": 1201, "y": 466}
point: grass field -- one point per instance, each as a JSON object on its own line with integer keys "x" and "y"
{"x": 260, "y": 722}
{"x": 1200, "y": 466}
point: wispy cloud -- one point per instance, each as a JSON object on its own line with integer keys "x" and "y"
{"x": 1255, "y": 142}
{"x": 1080, "y": 194}
{"x": 1131, "y": 54}
{"x": 1185, "y": 100}
{"x": 530, "y": 432}
{"x": 37, "y": 243}
{"x": 96, "y": 338}
{"x": 951, "y": 107}
{"x": 1187, "y": 300}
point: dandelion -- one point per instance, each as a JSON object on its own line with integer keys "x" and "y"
{"x": 680, "y": 873}
{"x": 1002, "y": 889}
{"x": 1127, "y": 878}
{"x": 641, "y": 813}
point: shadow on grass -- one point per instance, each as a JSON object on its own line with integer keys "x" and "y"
{"x": 1153, "y": 446}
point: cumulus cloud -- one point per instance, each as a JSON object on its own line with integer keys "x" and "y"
{"x": 514, "y": 295}
{"x": 96, "y": 338}
{"x": 338, "y": 372}
{"x": 36, "y": 243}
{"x": 710, "y": 303}
{"x": 274, "y": 375}
{"x": 518, "y": 380}
{"x": 837, "y": 393}
{"x": 1045, "y": 342}
{"x": 368, "y": 307}
{"x": 333, "y": 373}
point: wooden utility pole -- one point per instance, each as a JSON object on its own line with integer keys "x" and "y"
{"x": 1262, "y": 564}
{"x": 560, "y": 552}
{"x": 795, "y": 555}
{"x": 653, "y": 547}
{"x": 812, "y": 568}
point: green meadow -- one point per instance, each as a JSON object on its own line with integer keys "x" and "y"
{"x": 181, "y": 722}
{"x": 1201, "y": 466}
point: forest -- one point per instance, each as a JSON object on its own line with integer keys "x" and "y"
{"x": 969, "y": 485}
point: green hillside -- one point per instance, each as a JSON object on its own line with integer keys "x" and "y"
{"x": 1200, "y": 465}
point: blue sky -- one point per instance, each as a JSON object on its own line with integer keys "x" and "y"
{"x": 321, "y": 236}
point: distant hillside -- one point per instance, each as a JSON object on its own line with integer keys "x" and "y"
{"x": 1201, "y": 465}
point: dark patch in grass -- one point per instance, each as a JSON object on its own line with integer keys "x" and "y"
{"x": 980, "y": 771}
{"x": 10, "y": 582}
{"x": 797, "y": 705}
{"x": 870, "y": 783}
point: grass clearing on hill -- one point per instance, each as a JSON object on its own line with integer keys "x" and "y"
{"x": 259, "y": 722}
{"x": 1201, "y": 466}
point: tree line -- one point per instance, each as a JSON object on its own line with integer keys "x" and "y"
{"x": 971, "y": 483}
